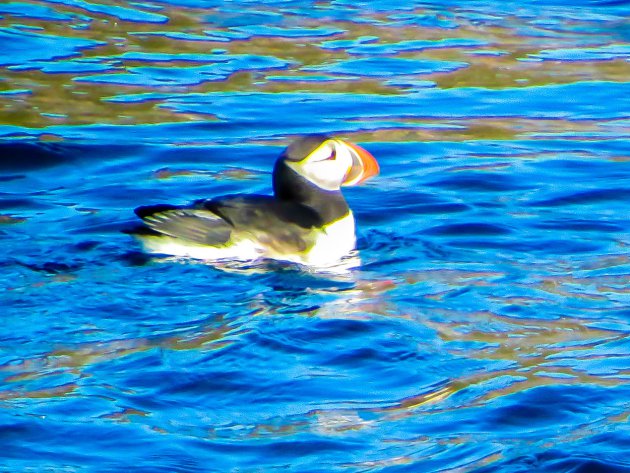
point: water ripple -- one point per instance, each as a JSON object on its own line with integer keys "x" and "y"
{"x": 482, "y": 325}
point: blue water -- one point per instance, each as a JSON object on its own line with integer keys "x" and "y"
{"x": 487, "y": 329}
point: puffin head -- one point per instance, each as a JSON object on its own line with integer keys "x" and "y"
{"x": 328, "y": 162}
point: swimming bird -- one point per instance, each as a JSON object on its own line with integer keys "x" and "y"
{"x": 306, "y": 220}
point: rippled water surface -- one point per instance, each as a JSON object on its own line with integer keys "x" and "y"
{"x": 488, "y": 326}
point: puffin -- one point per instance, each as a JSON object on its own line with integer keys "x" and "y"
{"x": 306, "y": 221}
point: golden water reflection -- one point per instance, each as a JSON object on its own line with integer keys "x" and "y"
{"x": 500, "y": 58}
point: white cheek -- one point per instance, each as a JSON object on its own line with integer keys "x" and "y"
{"x": 344, "y": 159}
{"x": 326, "y": 174}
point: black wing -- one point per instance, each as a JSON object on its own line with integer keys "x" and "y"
{"x": 262, "y": 212}
{"x": 188, "y": 223}
{"x": 284, "y": 227}
{"x": 281, "y": 225}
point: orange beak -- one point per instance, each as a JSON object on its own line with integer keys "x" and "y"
{"x": 363, "y": 167}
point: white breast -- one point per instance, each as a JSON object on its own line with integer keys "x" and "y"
{"x": 336, "y": 241}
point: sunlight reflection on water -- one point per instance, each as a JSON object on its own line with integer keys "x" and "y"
{"x": 487, "y": 326}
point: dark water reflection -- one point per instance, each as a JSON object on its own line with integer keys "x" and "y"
{"x": 487, "y": 328}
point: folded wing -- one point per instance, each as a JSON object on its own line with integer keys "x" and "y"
{"x": 198, "y": 226}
